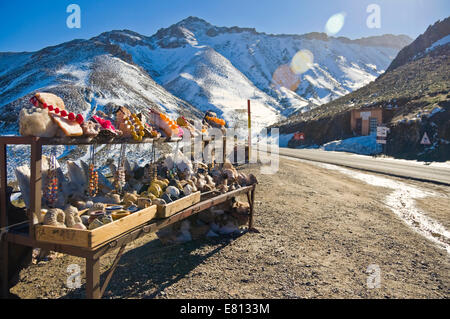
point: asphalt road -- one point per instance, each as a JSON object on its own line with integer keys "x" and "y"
{"x": 405, "y": 169}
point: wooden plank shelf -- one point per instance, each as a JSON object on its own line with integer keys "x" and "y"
{"x": 82, "y": 140}
{"x": 178, "y": 205}
{"x": 95, "y": 237}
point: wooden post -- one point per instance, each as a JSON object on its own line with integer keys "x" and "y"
{"x": 3, "y": 223}
{"x": 93, "y": 277}
{"x": 35, "y": 182}
{"x": 252, "y": 204}
{"x": 4, "y": 268}
{"x": 3, "y": 186}
{"x": 112, "y": 268}
{"x": 249, "y": 131}
{"x": 224, "y": 145}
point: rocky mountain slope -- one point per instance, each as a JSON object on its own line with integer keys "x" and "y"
{"x": 423, "y": 44}
{"x": 87, "y": 74}
{"x": 414, "y": 94}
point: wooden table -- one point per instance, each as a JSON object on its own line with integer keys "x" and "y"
{"x": 26, "y": 236}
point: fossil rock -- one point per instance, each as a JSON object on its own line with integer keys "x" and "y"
{"x": 36, "y": 122}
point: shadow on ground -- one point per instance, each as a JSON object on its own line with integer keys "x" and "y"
{"x": 144, "y": 272}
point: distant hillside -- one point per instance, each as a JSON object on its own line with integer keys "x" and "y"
{"x": 414, "y": 93}
{"x": 418, "y": 47}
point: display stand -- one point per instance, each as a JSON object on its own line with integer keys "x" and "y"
{"x": 25, "y": 234}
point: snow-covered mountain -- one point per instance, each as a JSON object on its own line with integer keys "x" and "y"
{"x": 87, "y": 74}
{"x": 193, "y": 66}
{"x": 252, "y": 65}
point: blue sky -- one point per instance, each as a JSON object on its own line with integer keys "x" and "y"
{"x": 32, "y": 25}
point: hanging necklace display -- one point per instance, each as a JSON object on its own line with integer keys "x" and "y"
{"x": 51, "y": 192}
{"x": 148, "y": 169}
{"x": 173, "y": 171}
{"x": 93, "y": 174}
{"x": 119, "y": 178}
{"x": 153, "y": 171}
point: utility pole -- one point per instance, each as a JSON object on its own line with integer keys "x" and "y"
{"x": 249, "y": 131}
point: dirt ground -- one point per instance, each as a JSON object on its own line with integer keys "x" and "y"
{"x": 319, "y": 232}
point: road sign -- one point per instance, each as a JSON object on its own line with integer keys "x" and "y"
{"x": 381, "y": 141}
{"x": 299, "y": 136}
{"x": 365, "y": 115}
{"x": 382, "y": 131}
{"x": 425, "y": 140}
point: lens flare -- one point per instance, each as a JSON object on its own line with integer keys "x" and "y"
{"x": 283, "y": 76}
{"x": 302, "y": 61}
{"x": 335, "y": 23}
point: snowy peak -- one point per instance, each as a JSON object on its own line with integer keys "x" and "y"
{"x": 194, "y": 24}
{"x": 175, "y": 37}
{"x": 181, "y": 33}
{"x": 121, "y": 36}
{"x": 188, "y": 30}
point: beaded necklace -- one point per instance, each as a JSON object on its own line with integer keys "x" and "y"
{"x": 173, "y": 171}
{"x": 93, "y": 174}
{"x": 135, "y": 125}
{"x": 119, "y": 178}
{"x": 51, "y": 193}
{"x": 62, "y": 113}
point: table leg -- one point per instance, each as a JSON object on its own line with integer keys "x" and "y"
{"x": 112, "y": 269}
{"x": 251, "y": 202}
{"x": 3, "y": 223}
{"x": 5, "y": 282}
{"x": 93, "y": 277}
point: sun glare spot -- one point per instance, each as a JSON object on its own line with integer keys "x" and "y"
{"x": 302, "y": 61}
{"x": 283, "y": 76}
{"x": 335, "y": 23}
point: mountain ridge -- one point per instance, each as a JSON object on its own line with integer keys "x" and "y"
{"x": 401, "y": 39}
{"x": 432, "y": 34}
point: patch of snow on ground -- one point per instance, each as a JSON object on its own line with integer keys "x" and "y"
{"x": 436, "y": 110}
{"x": 442, "y": 41}
{"x": 402, "y": 202}
{"x": 284, "y": 139}
{"x": 366, "y": 145}
{"x": 80, "y": 72}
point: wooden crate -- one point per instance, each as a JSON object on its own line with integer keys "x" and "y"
{"x": 95, "y": 237}
{"x": 178, "y": 205}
